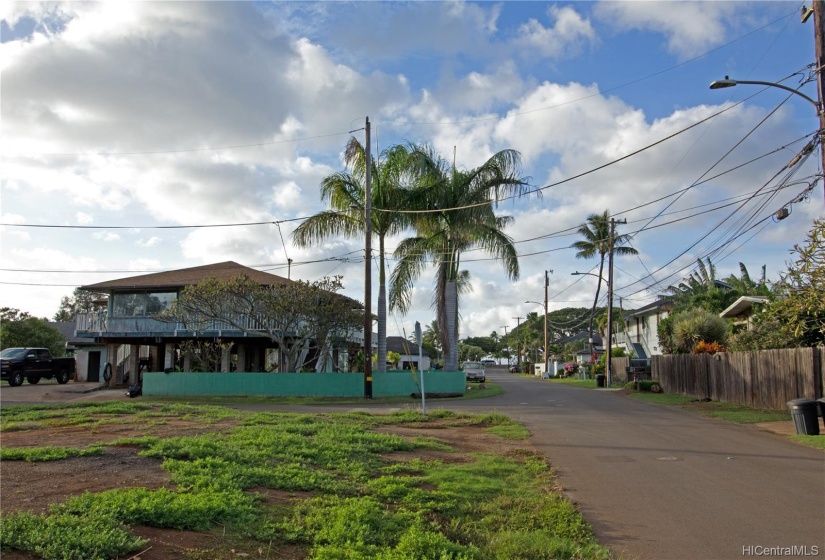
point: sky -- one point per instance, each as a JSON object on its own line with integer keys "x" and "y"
{"x": 121, "y": 122}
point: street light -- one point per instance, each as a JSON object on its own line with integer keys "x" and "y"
{"x": 818, "y": 105}
{"x": 546, "y": 359}
{"x": 727, "y": 82}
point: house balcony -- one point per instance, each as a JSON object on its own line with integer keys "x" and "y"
{"x": 100, "y": 325}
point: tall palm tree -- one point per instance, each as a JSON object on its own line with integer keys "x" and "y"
{"x": 466, "y": 221}
{"x": 345, "y": 193}
{"x": 596, "y": 234}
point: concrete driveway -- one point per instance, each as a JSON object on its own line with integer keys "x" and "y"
{"x": 52, "y": 391}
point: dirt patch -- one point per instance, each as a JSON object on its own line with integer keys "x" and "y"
{"x": 34, "y": 486}
{"x": 84, "y": 435}
{"x": 464, "y": 439}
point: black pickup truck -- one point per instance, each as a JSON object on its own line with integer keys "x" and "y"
{"x": 34, "y": 364}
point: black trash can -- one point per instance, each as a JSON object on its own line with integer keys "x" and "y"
{"x": 600, "y": 380}
{"x": 803, "y": 412}
{"x": 822, "y": 408}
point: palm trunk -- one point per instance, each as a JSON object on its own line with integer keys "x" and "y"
{"x": 451, "y": 307}
{"x": 595, "y": 301}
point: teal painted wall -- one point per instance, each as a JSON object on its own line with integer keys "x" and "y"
{"x": 254, "y": 384}
{"x": 390, "y": 384}
{"x": 404, "y": 383}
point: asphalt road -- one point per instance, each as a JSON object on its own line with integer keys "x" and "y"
{"x": 655, "y": 482}
{"x": 662, "y": 483}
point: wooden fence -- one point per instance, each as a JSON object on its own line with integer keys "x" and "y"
{"x": 764, "y": 379}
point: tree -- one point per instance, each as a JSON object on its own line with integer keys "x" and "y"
{"x": 698, "y": 325}
{"x": 796, "y": 314}
{"x": 18, "y": 329}
{"x": 298, "y": 316}
{"x": 466, "y": 221}
{"x": 345, "y": 192}
{"x": 702, "y": 289}
{"x": 81, "y": 301}
{"x": 432, "y": 337}
{"x": 596, "y": 242}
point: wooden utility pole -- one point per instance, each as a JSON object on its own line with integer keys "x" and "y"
{"x": 546, "y": 353}
{"x": 518, "y": 344}
{"x": 368, "y": 271}
{"x": 818, "y": 7}
{"x": 608, "y": 358}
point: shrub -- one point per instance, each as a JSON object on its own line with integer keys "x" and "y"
{"x": 645, "y": 385}
{"x": 708, "y": 348}
{"x": 698, "y": 325}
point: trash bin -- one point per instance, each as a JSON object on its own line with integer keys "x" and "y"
{"x": 822, "y": 408}
{"x": 803, "y": 412}
{"x": 600, "y": 380}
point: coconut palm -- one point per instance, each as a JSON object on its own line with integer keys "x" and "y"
{"x": 345, "y": 193}
{"x": 467, "y": 221}
{"x": 596, "y": 234}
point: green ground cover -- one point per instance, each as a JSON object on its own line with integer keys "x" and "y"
{"x": 357, "y": 490}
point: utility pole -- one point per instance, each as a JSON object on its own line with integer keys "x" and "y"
{"x": 368, "y": 271}
{"x": 609, "y": 357}
{"x": 546, "y": 353}
{"x": 508, "y": 345}
{"x": 818, "y": 7}
{"x": 518, "y": 345}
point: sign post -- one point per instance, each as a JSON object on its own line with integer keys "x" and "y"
{"x": 418, "y": 340}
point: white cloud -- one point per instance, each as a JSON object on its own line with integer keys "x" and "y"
{"x": 151, "y": 242}
{"x": 83, "y": 219}
{"x": 691, "y": 28}
{"x": 106, "y": 236}
{"x": 569, "y": 33}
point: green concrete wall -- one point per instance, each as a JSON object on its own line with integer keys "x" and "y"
{"x": 404, "y": 383}
{"x": 254, "y": 384}
{"x": 390, "y": 384}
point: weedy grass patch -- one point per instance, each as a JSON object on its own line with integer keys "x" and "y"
{"x": 355, "y": 498}
{"x": 47, "y": 453}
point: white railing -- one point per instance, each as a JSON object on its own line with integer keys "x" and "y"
{"x": 97, "y": 323}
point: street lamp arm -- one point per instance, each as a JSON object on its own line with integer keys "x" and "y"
{"x": 727, "y": 82}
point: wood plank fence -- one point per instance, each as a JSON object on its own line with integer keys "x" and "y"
{"x": 763, "y": 379}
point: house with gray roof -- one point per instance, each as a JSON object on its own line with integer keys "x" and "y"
{"x": 138, "y": 338}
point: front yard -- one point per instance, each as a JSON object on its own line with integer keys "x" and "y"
{"x": 164, "y": 480}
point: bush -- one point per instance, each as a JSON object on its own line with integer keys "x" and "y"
{"x": 698, "y": 325}
{"x": 645, "y": 385}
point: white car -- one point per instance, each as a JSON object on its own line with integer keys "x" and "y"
{"x": 474, "y": 371}
{"x": 488, "y": 362}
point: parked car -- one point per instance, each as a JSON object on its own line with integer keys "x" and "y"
{"x": 34, "y": 364}
{"x": 488, "y": 362}
{"x": 474, "y": 371}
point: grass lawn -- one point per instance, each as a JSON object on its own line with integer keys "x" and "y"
{"x": 736, "y": 413}
{"x": 586, "y": 383}
{"x": 230, "y": 484}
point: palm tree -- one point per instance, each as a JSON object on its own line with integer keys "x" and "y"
{"x": 596, "y": 234}
{"x": 432, "y": 337}
{"x": 466, "y": 221}
{"x": 345, "y": 193}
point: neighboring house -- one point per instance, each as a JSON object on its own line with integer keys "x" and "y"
{"x": 742, "y": 310}
{"x": 408, "y": 351}
{"x": 90, "y": 356}
{"x": 583, "y": 356}
{"x": 134, "y": 337}
{"x": 642, "y": 334}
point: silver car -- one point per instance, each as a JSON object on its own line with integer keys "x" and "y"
{"x": 474, "y": 371}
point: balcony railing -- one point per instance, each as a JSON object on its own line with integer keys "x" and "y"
{"x": 97, "y": 324}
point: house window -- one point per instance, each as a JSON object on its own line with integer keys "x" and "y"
{"x": 146, "y": 304}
